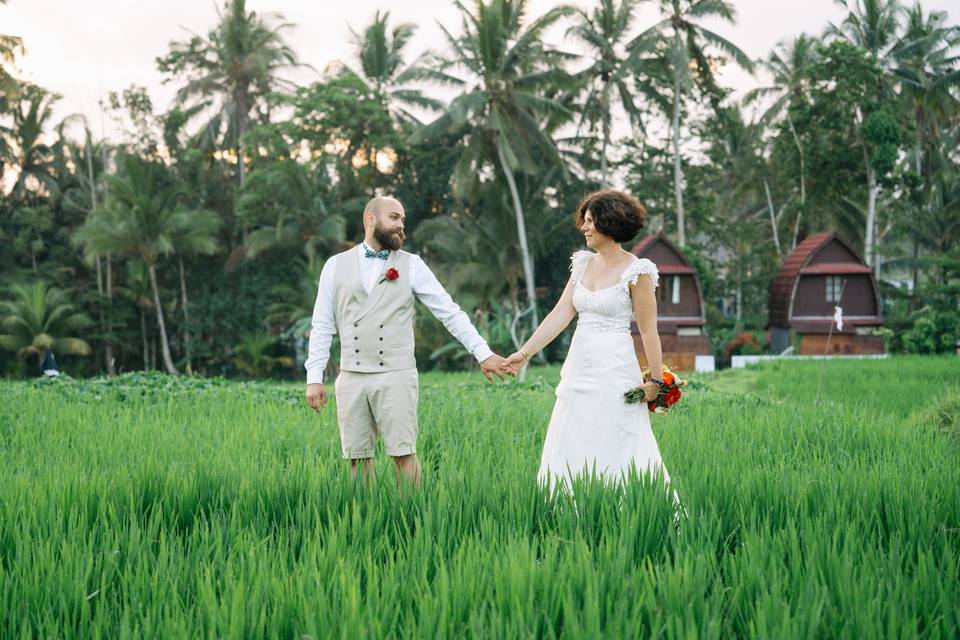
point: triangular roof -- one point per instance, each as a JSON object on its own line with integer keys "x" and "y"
{"x": 680, "y": 265}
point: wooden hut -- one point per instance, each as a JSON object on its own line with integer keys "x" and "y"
{"x": 808, "y": 287}
{"x": 680, "y": 308}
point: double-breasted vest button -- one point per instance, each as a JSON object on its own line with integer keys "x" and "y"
{"x": 381, "y": 339}
{"x": 358, "y": 351}
{"x": 381, "y": 364}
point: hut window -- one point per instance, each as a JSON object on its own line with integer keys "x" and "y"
{"x": 669, "y": 289}
{"x": 833, "y": 289}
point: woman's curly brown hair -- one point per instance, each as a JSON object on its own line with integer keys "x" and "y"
{"x": 615, "y": 214}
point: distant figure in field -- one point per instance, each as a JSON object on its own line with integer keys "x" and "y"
{"x": 48, "y": 367}
{"x": 592, "y": 429}
{"x": 366, "y": 295}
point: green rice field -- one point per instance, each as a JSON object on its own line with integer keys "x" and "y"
{"x": 148, "y": 506}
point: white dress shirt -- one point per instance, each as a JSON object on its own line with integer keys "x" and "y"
{"x": 426, "y": 288}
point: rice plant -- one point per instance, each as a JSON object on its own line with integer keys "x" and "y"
{"x": 148, "y": 506}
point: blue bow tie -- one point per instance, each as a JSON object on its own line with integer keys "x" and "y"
{"x": 370, "y": 253}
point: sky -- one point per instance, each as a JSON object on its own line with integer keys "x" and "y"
{"x": 83, "y": 49}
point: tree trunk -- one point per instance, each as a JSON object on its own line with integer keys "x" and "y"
{"x": 517, "y": 342}
{"x": 241, "y": 168}
{"x": 107, "y": 351}
{"x": 677, "y": 167}
{"x": 522, "y": 236}
{"x": 186, "y": 316}
{"x": 738, "y": 296}
{"x": 604, "y": 165}
{"x": 164, "y": 344}
{"x": 803, "y": 175}
{"x": 243, "y": 110}
{"x": 104, "y": 321}
{"x": 796, "y": 230}
{"x": 143, "y": 335}
{"x": 868, "y": 244}
{"x": 915, "y": 275}
{"x": 773, "y": 221}
{"x": 111, "y": 368}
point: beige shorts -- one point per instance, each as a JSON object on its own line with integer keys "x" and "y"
{"x": 377, "y": 403}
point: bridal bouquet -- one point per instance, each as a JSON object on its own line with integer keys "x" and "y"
{"x": 669, "y": 393}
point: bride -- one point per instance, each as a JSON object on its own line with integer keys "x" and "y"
{"x": 592, "y": 430}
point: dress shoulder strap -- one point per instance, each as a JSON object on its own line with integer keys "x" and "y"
{"x": 578, "y": 263}
{"x": 640, "y": 267}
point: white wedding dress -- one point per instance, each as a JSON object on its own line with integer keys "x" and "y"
{"x": 592, "y": 429}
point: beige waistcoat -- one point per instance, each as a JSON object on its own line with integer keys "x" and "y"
{"x": 376, "y": 330}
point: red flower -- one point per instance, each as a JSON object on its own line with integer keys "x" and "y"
{"x": 392, "y": 274}
{"x": 652, "y": 406}
{"x": 671, "y": 396}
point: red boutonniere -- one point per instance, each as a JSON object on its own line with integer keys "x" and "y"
{"x": 391, "y": 275}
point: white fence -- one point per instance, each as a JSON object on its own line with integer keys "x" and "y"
{"x": 739, "y": 362}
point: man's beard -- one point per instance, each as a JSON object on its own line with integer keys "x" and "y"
{"x": 390, "y": 240}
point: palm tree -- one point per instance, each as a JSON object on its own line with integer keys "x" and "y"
{"x": 286, "y": 199}
{"x": 137, "y": 290}
{"x": 927, "y": 70}
{"x": 379, "y": 50}
{"x": 871, "y": 25}
{"x": 85, "y": 164}
{"x": 468, "y": 249}
{"x": 10, "y": 48}
{"x": 237, "y": 66}
{"x": 293, "y": 309}
{"x": 508, "y": 112}
{"x": 686, "y": 43}
{"x": 252, "y": 355}
{"x": 603, "y": 32}
{"x": 199, "y": 237}
{"x": 40, "y": 318}
{"x": 31, "y": 112}
{"x": 143, "y": 217}
{"x": 788, "y": 64}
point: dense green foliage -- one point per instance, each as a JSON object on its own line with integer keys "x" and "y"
{"x": 189, "y": 236}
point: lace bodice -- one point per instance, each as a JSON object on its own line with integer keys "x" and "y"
{"x": 610, "y": 308}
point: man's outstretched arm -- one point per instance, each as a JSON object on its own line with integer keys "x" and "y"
{"x": 432, "y": 294}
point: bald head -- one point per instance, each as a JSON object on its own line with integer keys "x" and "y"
{"x": 383, "y": 205}
{"x": 383, "y": 219}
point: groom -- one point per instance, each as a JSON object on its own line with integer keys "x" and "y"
{"x": 366, "y": 295}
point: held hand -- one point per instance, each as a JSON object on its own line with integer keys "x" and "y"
{"x": 514, "y": 363}
{"x": 651, "y": 389}
{"x": 492, "y": 365}
{"x": 316, "y": 396}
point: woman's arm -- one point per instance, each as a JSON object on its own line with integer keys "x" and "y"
{"x": 645, "y": 310}
{"x": 556, "y": 321}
